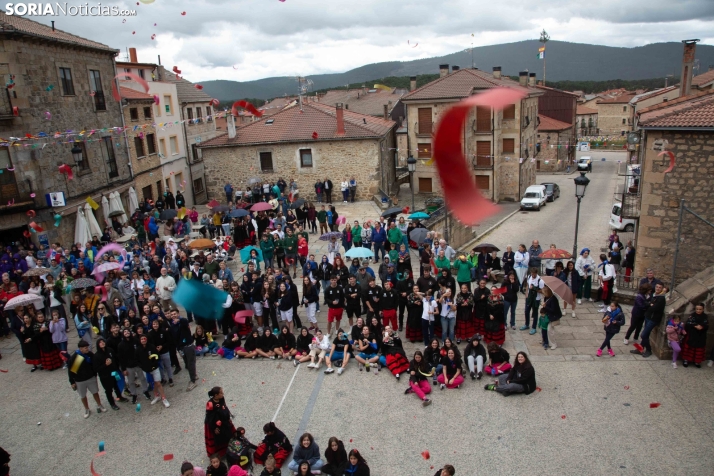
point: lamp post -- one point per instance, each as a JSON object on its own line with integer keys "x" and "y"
{"x": 581, "y": 184}
{"x": 77, "y": 154}
{"x": 411, "y": 166}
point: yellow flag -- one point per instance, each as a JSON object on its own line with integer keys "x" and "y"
{"x": 382, "y": 86}
{"x": 92, "y": 203}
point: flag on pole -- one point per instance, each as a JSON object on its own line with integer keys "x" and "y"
{"x": 541, "y": 49}
{"x": 540, "y": 55}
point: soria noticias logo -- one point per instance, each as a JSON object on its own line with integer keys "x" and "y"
{"x": 64, "y": 9}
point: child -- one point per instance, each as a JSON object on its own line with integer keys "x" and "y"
{"x": 543, "y": 322}
{"x": 204, "y": 342}
{"x": 675, "y": 331}
{"x": 614, "y": 319}
{"x": 393, "y": 253}
{"x": 217, "y": 467}
{"x": 238, "y": 452}
{"x": 59, "y": 335}
{"x": 270, "y": 468}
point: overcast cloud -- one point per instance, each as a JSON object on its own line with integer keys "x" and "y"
{"x": 252, "y": 39}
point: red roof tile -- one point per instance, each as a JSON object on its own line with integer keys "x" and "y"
{"x": 461, "y": 84}
{"x": 550, "y": 124}
{"x": 622, "y": 99}
{"x": 296, "y": 125}
{"x": 582, "y": 110}
{"x": 359, "y": 100}
{"x": 692, "y": 112}
{"x": 18, "y": 24}
{"x": 129, "y": 93}
{"x": 703, "y": 79}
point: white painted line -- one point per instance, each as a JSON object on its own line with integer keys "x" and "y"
{"x": 285, "y": 394}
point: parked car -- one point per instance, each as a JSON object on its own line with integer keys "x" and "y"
{"x": 619, "y": 223}
{"x": 585, "y": 163}
{"x": 552, "y": 191}
{"x": 584, "y": 146}
{"x": 534, "y": 198}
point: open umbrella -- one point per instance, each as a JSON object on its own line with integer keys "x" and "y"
{"x": 418, "y": 235}
{"x": 168, "y": 214}
{"x": 297, "y": 203}
{"x": 82, "y": 283}
{"x": 392, "y": 211}
{"x": 202, "y": 244}
{"x": 81, "y": 228}
{"x": 487, "y": 247}
{"x": 418, "y": 216}
{"x": 94, "y": 228}
{"x": 106, "y": 210}
{"x": 104, "y": 267}
{"x": 213, "y": 203}
{"x": 123, "y": 238}
{"x": 37, "y": 271}
{"x": 555, "y": 254}
{"x": 559, "y": 288}
{"x": 239, "y": 212}
{"x": 358, "y": 252}
{"x": 261, "y": 207}
{"x": 221, "y": 208}
{"x": 133, "y": 199}
{"x": 23, "y": 300}
{"x": 202, "y": 299}
{"x": 245, "y": 253}
{"x": 328, "y": 236}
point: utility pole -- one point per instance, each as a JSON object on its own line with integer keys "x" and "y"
{"x": 544, "y": 38}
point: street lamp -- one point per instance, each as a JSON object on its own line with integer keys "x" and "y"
{"x": 411, "y": 166}
{"x": 77, "y": 154}
{"x": 581, "y": 184}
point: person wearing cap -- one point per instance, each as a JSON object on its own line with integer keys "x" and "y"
{"x": 165, "y": 287}
{"x": 476, "y": 357}
{"x": 83, "y": 377}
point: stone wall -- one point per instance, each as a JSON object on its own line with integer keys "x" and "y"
{"x": 149, "y": 165}
{"x": 691, "y": 180}
{"x": 336, "y": 160}
{"x": 555, "y": 152}
{"x": 610, "y": 117}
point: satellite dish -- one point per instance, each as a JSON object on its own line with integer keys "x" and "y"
{"x": 633, "y": 138}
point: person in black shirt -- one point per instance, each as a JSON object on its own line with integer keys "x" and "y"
{"x": 286, "y": 348}
{"x": 371, "y": 298}
{"x": 267, "y": 344}
{"x": 352, "y": 298}
{"x": 148, "y": 359}
{"x": 388, "y": 305}
{"x": 427, "y": 281}
{"x": 368, "y": 349}
{"x": 341, "y": 350}
{"x": 404, "y": 286}
{"x": 335, "y": 296}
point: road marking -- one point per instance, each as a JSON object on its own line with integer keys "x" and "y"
{"x": 302, "y": 427}
{"x": 285, "y": 394}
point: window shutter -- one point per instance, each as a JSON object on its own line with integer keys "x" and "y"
{"x": 483, "y": 152}
{"x": 483, "y": 119}
{"x": 425, "y": 123}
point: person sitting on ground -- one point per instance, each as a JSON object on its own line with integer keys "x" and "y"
{"x": 447, "y": 470}
{"x": 286, "y": 344}
{"x": 357, "y": 465}
{"x": 451, "y": 371}
{"x": 274, "y": 443}
{"x": 216, "y": 467}
{"x": 250, "y": 347}
{"x": 521, "y": 378}
{"x": 302, "y": 346}
{"x": 368, "y": 349}
{"x": 335, "y": 457}
{"x": 231, "y": 342}
{"x": 267, "y": 343}
{"x": 270, "y": 469}
{"x": 307, "y": 450}
{"x": 318, "y": 348}
{"x": 341, "y": 350}
{"x": 432, "y": 354}
{"x": 393, "y": 355}
{"x": 419, "y": 372}
{"x": 476, "y": 357}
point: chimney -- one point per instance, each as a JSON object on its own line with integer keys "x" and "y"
{"x": 454, "y": 68}
{"x": 340, "y": 119}
{"x": 685, "y": 83}
{"x": 386, "y": 111}
{"x": 132, "y": 55}
{"x": 523, "y": 78}
{"x": 443, "y": 70}
{"x": 532, "y": 79}
{"x": 412, "y": 83}
{"x": 231, "y": 126}
{"x": 53, "y": 26}
{"x": 497, "y": 72}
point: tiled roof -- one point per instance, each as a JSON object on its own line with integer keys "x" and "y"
{"x": 622, "y": 99}
{"x": 128, "y": 93}
{"x": 461, "y": 84}
{"x": 17, "y": 24}
{"x": 651, "y": 94}
{"x": 184, "y": 89}
{"x": 691, "y": 112}
{"x": 703, "y": 79}
{"x": 358, "y": 100}
{"x": 671, "y": 102}
{"x": 547, "y": 88}
{"x": 296, "y": 125}
{"x": 550, "y": 124}
{"x": 582, "y": 110}
{"x": 275, "y": 105}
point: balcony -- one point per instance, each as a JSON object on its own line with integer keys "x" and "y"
{"x": 628, "y": 191}
{"x": 480, "y": 162}
{"x": 424, "y": 129}
{"x": 5, "y": 106}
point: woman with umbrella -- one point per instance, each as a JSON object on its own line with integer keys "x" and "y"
{"x": 572, "y": 278}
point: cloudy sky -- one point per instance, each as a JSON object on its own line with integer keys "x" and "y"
{"x": 252, "y": 39}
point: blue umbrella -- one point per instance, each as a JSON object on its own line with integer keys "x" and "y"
{"x": 418, "y": 216}
{"x": 239, "y": 212}
{"x": 358, "y": 252}
{"x": 245, "y": 253}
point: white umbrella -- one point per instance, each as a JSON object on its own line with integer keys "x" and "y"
{"x": 81, "y": 228}
{"x": 115, "y": 206}
{"x": 105, "y": 210}
{"x": 133, "y": 200}
{"x": 93, "y": 224}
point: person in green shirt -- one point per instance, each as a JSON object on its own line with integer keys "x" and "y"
{"x": 393, "y": 253}
{"x": 290, "y": 245}
{"x": 267, "y": 247}
{"x": 279, "y": 251}
{"x": 442, "y": 262}
{"x": 276, "y": 191}
{"x": 322, "y": 219}
{"x": 356, "y": 234}
{"x": 473, "y": 259}
{"x": 463, "y": 271}
{"x": 303, "y": 233}
{"x": 394, "y": 235}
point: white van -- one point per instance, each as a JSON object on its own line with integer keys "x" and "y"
{"x": 619, "y": 223}
{"x": 534, "y": 198}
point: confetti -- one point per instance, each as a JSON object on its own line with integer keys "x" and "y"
{"x": 314, "y": 135}
{"x": 183, "y": 13}
{"x": 31, "y": 213}
{"x": 124, "y": 20}
{"x": 655, "y": 405}
{"x": 50, "y": 87}
{"x": 168, "y": 457}
{"x": 12, "y": 169}
{"x": 262, "y": 383}
{"x": 247, "y": 106}
{"x": 350, "y": 440}
{"x": 67, "y": 170}
{"x": 176, "y": 70}
{"x": 185, "y": 431}
{"x": 235, "y": 66}
{"x": 15, "y": 111}
{"x": 101, "y": 446}
{"x": 627, "y": 387}
{"x": 425, "y": 454}
{"x": 371, "y": 447}
{"x": 91, "y": 464}
{"x": 157, "y": 100}
{"x": 138, "y": 407}
{"x": 48, "y": 115}
{"x": 538, "y": 389}
{"x": 215, "y": 102}
{"x": 431, "y": 467}
{"x": 92, "y": 93}
{"x": 198, "y": 86}
{"x": 154, "y": 24}
{"x": 133, "y": 33}
{"x": 153, "y": 37}
{"x": 132, "y": 76}
{"x": 462, "y": 196}
{"x": 415, "y": 45}
{"x": 562, "y": 416}
{"x": 671, "y": 160}
{"x": 639, "y": 347}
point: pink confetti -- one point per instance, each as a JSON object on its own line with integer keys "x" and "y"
{"x": 562, "y": 416}
{"x": 124, "y": 20}
{"x": 627, "y": 387}
{"x": 153, "y": 37}
{"x": 247, "y": 106}
{"x": 671, "y": 160}
{"x": 314, "y": 135}
{"x": 32, "y": 195}
{"x": 6, "y": 371}
{"x": 168, "y": 457}
{"x": 12, "y": 169}
{"x": 198, "y": 86}
{"x": 183, "y": 13}
{"x": 655, "y": 405}
{"x": 48, "y": 115}
{"x": 425, "y": 454}
{"x": 215, "y": 102}
{"x": 134, "y": 77}
{"x": 133, "y": 33}
{"x": 350, "y": 438}
{"x": 154, "y": 24}
{"x": 157, "y": 100}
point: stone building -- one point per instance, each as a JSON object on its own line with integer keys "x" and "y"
{"x": 556, "y": 143}
{"x": 685, "y": 127}
{"x": 652, "y": 98}
{"x": 614, "y": 115}
{"x": 56, "y": 81}
{"x": 586, "y": 121}
{"x": 307, "y": 144}
{"x": 372, "y": 101}
{"x": 500, "y": 145}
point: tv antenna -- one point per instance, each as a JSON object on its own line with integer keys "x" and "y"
{"x": 304, "y": 86}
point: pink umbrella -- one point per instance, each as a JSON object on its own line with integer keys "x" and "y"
{"x": 261, "y": 207}
{"x": 341, "y": 220}
{"x": 241, "y": 316}
{"x": 104, "y": 267}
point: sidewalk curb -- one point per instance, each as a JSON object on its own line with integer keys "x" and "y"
{"x": 500, "y": 222}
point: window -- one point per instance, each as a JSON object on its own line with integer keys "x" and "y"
{"x": 162, "y": 147}
{"x": 199, "y": 114}
{"x": 151, "y": 143}
{"x": 209, "y": 114}
{"x": 305, "y": 157}
{"x": 84, "y": 164}
{"x": 624, "y": 121}
{"x": 178, "y": 179}
{"x": 167, "y": 104}
{"x": 509, "y": 112}
{"x": 266, "y": 162}
{"x": 198, "y": 185}
{"x": 424, "y": 120}
{"x": 109, "y": 156}
{"x": 509, "y": 146}
{"x": 95, "y": 83}
{"x": 147, "y": 112}
{"x": 483, "y": 119}
{"x": 196, "y": 152}
{"x": 147, "y": 193}
{"x": 139, "y": 147}
{"x": 134, "y": 113}
{"x": 189, "y": 113}
{"x": 425, "y": 185}
{"x": 624, "y": 108}
{"x": 159, "y": 188}
{"x": 482, "y": 182}
{"x": 8, "y": 185}
{"x": 483, "y": 153}
{"x": 173, "y": 141}
{"x": 424, "y": 151}
{"x": 141, "y": 74}
{"x": 66, "y": 80}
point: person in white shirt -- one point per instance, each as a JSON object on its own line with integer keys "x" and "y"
{"x": 535, "y": 292}
{"x": 165, "y": 286}
{"x": 521, "y": 259}
{"x": 318, "y": 348}
{"x": 31, "y": 263}
{"x": 550, "y": 263}
{"x": 585, "y": 266}
{"x": 430, "y": 309}
{"x": 606, "y": 277}
{"x": 345, "y": 189}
